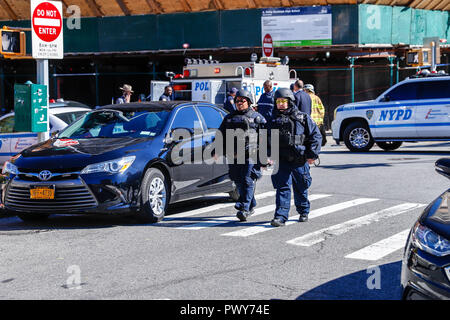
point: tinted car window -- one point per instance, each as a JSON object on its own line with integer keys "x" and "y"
{"x": 186, "y": 118}
{"x": 114, "y": 124}
{"x": 7, "y": 125}
{"x": 434, "y": 90}
{"x": 70, "y": 117}
{"x": 407, "y": 91}
{"x": 212, "y": 117}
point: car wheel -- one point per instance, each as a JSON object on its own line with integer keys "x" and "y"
{"x": 389, "y": 145}
{"x": 32, "y": 217}
{"x": 234, "y": 195}
{"x": 154, "y": 197}
{"x": 357, "y": 137}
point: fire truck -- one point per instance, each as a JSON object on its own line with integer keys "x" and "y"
{"x": 209, "y": 81}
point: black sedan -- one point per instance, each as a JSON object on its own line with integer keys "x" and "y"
{"x": 119, "y": 159}
{"x": 426, "y": 261}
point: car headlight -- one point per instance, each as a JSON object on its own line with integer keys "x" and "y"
{"x": 113, "y": 166}
{"x": 429, "y": 241}
{"x": 8, "y": 167}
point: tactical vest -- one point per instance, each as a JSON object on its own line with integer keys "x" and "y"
{"x": 245, "y": 122}
{"x": 288, "y": 137}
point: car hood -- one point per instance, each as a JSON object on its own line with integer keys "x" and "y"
{"x": 347, "y": 106}
{"x": 437, "y": 215}
{"x": 69, "y": 153}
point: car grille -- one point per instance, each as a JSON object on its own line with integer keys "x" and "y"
{"x": 67, "y": 198}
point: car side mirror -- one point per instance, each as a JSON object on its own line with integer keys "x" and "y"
{"x": 443, "y": 167}
{"x": 386, "y": 98}
{"x": 170, "y": 137}
{"x": 55, "y": 134}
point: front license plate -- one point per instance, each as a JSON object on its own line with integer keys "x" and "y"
{"x": 47, "y": 192}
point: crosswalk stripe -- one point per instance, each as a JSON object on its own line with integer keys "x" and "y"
{"x": 322, "y": 234}
{"x": 258, "y": 211}
{"x": 213, "y": 207}
{"x": 381, "y": 248}
{"x": 292, "y": 220}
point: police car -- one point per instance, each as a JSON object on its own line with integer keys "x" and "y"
{"x": 415, "y": 109}
{"x": 61, "y": 114}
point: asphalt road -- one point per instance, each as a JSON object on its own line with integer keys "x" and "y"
{"x": 201, "y": 251}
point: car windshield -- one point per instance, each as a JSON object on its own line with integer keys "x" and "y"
{"x": 116, "y": 124}
{"x": 70, "y": 117}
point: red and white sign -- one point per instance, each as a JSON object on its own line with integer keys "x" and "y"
{"x": 268, "y": 46}
{"x": 47, "y": 29}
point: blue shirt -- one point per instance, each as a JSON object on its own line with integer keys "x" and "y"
{"x": 165, "y": 98}
{"x": 266, "y": 105}
{"x": 303, "y": 102}
{"x": 229, "y": 104}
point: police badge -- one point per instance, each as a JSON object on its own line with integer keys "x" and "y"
{"x": 369, "y": 114}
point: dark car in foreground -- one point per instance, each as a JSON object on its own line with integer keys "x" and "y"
{"x": 426, "y": 261}
{"x": 119, "y": 159}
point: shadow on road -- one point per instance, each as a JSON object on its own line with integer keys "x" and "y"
{"x": 354, "y": 286}
{"x": 12, "y": 225}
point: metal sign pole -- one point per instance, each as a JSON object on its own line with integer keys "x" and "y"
{"x": 43, "y": 78}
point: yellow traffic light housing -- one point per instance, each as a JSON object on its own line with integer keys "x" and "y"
{"x": 418, "y": 57}
{"x": 13, "y": 43}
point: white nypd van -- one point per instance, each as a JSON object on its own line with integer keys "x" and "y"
{"x": 415, "y": 109}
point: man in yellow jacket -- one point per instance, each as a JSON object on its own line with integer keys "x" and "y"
{"x": 317, "y": 111}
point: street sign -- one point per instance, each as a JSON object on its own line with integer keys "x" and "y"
{"x": 268, "y": 45}
{"x": 47, "y": 33}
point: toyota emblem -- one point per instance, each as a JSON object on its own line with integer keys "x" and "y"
{"x": 45, "y": 175}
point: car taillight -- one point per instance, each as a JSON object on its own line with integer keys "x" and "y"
{"x": 216, "y": 70}
{"x": 186, "y": 73}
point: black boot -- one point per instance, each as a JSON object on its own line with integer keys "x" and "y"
{"x": 303, "y": 218}
{"x": 277, "y": 222}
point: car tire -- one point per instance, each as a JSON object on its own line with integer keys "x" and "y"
{"x": 154, "y": 197}
{"x": 32, "y": 217}
{"x": 234, "y": 194}
{"x": 357, "y": 137}
{"x": 389, "y": 145}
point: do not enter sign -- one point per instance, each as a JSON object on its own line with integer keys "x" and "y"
{"x": 47, "y": 24}
{"x": 268, "y": 45}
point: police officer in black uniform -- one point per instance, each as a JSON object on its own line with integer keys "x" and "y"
{"x": 299, "y": 145}
{"x": 245, "y": 174}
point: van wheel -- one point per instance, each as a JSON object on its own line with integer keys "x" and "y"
{"x": 389, "y": 145}
{"x": 154, "y": 197}
{"x": 357, "y": 137}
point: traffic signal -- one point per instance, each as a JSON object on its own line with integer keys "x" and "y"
{"x": 418, "y": 57}
{"x": 13, "y": 43}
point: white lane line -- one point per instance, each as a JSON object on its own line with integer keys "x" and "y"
{"x": 215, "y": 207}
{"x": 381, "y": 248}
{"x": 338, "y": 229}
{"x": 294, "y": 219}
{"x": 258, "y": 211}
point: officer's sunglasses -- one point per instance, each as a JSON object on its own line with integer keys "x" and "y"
{"x": 282, "y": 100}
{"x": 239, "y": 100}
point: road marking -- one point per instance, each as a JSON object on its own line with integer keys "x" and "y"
{"x": 258, "y": 211}
{"x": 322, "y": 234}
{"x": 215, "y": 207}
{"x": 381, "y": 248}
{"x": 294, "y": 219}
